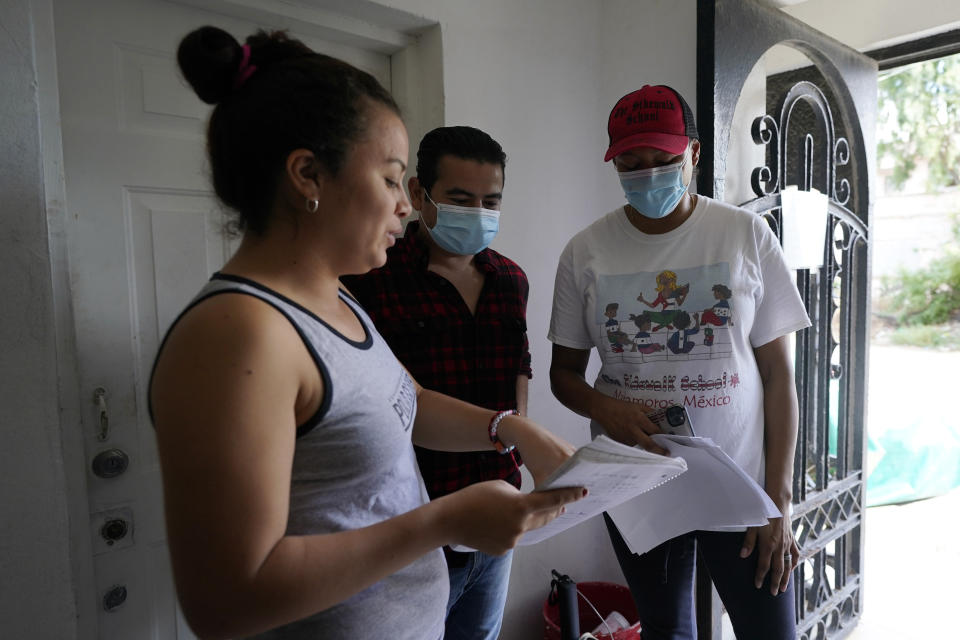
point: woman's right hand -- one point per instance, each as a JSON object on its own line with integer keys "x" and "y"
{"x": 628, "y": 423}
{"x": 492, "y": 516}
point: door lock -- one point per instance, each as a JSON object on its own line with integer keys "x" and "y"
{"x": 114, "y": 530}
{"x": 110, "y": 463}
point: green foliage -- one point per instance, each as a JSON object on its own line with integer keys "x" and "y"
{"x": 919, "y": 118}
{"x": 928, "y": 296}
{"x": 928, "y": 336}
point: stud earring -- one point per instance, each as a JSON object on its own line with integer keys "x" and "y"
{"x": 313, "y": 205}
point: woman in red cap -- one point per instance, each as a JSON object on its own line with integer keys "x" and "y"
{"x": 736, "y": 384}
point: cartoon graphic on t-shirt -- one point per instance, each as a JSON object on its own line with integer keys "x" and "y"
{"x": 618, "y": 339}
{"x": 719, "y": 314}
{"x": 669, "y": 298}
{"x": 678, "y": 342}
{"x": 642, "y": 340}
{"x": 611, "y": 314}
{"x": 696, "y": 301}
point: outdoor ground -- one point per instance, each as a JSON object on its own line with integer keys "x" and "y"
{"x": 912, "y": 552}
{"x": 943, "y": 337}
{"x": 911, "y": 568}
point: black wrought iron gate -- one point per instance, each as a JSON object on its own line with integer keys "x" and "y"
{"x": 818, "y": 133}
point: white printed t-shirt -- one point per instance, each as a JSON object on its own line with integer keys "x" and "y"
{"x": 675, "y": 316}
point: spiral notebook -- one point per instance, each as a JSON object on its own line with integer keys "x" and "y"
{"x": 613, "y": 473}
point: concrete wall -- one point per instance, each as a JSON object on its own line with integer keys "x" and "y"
{"x": 37, "y": 585}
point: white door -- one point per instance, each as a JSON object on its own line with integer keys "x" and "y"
{"x": 145, "y": 234}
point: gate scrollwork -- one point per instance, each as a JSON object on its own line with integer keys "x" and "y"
{"x": 828, "y": 478}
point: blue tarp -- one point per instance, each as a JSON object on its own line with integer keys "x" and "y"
{"x": 918, "y": 458}
{"x": 913, "y": 456}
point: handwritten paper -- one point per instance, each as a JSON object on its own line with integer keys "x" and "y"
{"x": 612, "y": 473}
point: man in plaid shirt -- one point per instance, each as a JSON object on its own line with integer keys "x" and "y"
{"x": 454, "y": 313}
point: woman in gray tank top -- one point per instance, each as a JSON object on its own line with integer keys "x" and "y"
{"x": 284, "y": 424}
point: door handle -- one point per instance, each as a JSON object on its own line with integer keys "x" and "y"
{"x": 100, "y": 399}
{"x": 114, "y": 597}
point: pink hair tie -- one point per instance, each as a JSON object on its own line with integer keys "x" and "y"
{"x": 245, "y": 70}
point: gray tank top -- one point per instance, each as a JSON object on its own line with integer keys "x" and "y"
{"x": 354, "y": 466}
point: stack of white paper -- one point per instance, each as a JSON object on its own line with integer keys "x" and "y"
{"x": 714, "y": 493}
{"x": 653, "y": 498}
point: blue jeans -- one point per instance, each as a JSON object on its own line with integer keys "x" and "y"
{"x": 478, "y": 592}
{"x": 662, "y": 584}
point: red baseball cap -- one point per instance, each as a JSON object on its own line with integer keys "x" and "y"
{"x": 654, "y": 116}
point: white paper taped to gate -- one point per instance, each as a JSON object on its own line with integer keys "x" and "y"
{"x": 804, "y": 216}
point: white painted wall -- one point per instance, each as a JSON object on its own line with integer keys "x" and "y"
{"x": 645, "y": 42}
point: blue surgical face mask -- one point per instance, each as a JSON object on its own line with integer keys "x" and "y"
{"x": 655, "y": 192}
{"x": 463, "y": 230}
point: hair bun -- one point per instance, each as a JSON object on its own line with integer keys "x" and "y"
{"x": 209, "y": 58}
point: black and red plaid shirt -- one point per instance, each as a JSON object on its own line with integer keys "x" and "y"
{"x": 474, "y": 357}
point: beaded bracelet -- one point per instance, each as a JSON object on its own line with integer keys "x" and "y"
{"x": 494, "y": 438}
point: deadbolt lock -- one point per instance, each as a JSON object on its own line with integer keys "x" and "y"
{"x": 110, "y": 463}
{"x": 114, "y": 530}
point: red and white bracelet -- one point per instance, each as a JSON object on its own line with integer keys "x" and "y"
{"x": 494, "y": 438}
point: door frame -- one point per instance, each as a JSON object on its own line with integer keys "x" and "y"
{"x": 74, "y": 457}
{"x": 936, "y": 46}
{"x": 725, "y": 58}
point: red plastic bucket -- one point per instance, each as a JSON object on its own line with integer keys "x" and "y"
{"x": 606, "y": 597}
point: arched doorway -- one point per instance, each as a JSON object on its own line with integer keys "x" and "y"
{"x": 814, "y": 129}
